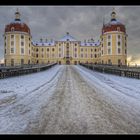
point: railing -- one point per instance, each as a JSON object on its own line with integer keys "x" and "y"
{"x": 6, "y": 72}
{"x": 120, "y": 71}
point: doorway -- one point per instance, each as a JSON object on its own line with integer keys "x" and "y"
{"x": 68, "y": 62}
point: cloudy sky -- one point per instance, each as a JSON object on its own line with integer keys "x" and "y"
{"x": 82, "y": 22}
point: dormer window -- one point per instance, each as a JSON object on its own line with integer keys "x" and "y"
{"x": 118, "y": 28}
{"x": 12, "y": 29}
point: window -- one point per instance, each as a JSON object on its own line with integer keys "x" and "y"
{"x": 12, "y": 29}
{"x": 118, "y": 28}
{"x": 75, "y": 44}
{"x": 12, "y": 36}
{"x": 5, "y": 51}
{"x": 125, "y": 62}
{"x": 95, "y": 50}
{"x": 59, "y": 49}
{"x": 109, "y": 61}
{"x": 12, "y": 50}
{"x": 5, "y": 37}
{"x": 119, "y": 62}
{"x": 22, "y": 50}
{"x": 37, "y": 50}
{"x": 59, "y": 55}
{"x": 75, "y": 55}
{"x": 102, "y": 52}
{"x": 28, "y": 61}
{"x": 95, "y": 55}
{"x": 109, "y": 51}
{"x": 37, "y": 55}
{"x": 81, "y": 49}
{"x": 91, "y": 50}
{"x": 86, "y": 49}
{"x": 42, "y": 55}
{"x": 42, "y": 49}
{"x": 22, "y": 43}
{"x": 102, "y": 61}
{"x": 109, "y": 43}
{"x": 125, "y": 51}
{"x": 29, "y": 51}
{"x": 47, "y": 49}
{"x": 12, "y": 43}
{"x": 29, "y": 39}
{"x": 125, "y": 44}
{"x": 81, "y": 55}
{"x": 119, "y": 36}
{"x": 119, "y": 43}
{"x": 109, "y": 36}
{"x": 12, "y": 62}
{"x": 75, "y": 49}
{"x": 53, "y": 49}
{"x": 22, "y": 36}
{"x": 119, "y": 50}
{"x": 22, "y": 61}
{"x": 5, "y": 44}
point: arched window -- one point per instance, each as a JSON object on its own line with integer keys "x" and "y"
{"x": 12, "y": 29}
{"x": 119, "y": 50}
{"x": 95, "y": 55}
{"x": 119, "y": 43}
{"x": 118, "y": 28}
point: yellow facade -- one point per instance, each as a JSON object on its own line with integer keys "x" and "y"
{"x": 13, "y": 41}
{"x": 21, "y": 49}
{"x": 114, "y": 56}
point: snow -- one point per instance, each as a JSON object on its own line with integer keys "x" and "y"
{"x": 90, "y": 44}
{"x": 68, "y": 37}
{"x": 121, "y": 90}
{"x": 122, "y": 86}
{"x": 21, "y": 98}
{"x": 49, "y": 43}
{"x": 69, "y": 99}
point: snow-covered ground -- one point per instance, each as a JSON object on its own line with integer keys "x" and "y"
{"x": 69, "y": 99}
{"x": 22, "y": 97}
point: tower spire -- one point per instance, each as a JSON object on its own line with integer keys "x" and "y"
{"x": 17, "y": 15}
{"x": 113, "y": 14}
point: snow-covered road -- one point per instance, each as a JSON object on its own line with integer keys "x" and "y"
{"x": 69, "y": 99}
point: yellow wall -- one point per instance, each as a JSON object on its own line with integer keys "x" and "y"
{"x": 63, "y": 45}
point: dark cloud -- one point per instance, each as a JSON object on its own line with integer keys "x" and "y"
{"x": 83, "y": 22}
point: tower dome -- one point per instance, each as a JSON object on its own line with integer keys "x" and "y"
{"x": 17, "y": 25}
{"x": 113, "y": 25}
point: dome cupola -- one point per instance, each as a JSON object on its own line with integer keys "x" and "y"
{"x": 113, "y": 25}
{"x": 17, "y": 25}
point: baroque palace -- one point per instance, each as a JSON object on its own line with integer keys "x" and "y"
{"x": 20, "y": 49}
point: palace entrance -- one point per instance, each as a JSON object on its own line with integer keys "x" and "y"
{"x": 67, "y": 62}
